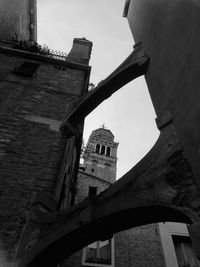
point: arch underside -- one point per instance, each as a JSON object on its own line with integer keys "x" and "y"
{"x": 159, "y": 188}
{"x": 68, "y": 243}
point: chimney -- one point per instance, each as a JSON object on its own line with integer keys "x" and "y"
{"x": 81, "y": 51}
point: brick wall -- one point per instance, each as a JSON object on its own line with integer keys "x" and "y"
{"x": 138, "y": 247}
{"x": 85, "y": 181}
{"x": 31, "y": 142}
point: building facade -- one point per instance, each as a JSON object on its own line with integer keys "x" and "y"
{"x": 161, "y": 245}
{"x": 100, "y": 157}
{"x": 39, "y": 157}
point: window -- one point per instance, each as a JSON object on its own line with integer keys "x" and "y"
{"x": 99, "y": 253}
{"x": 94, "y": 167}
{"x": 103, "y": 150}
{"x": 92, "y": 191}
{"x": 26, "y": 69}
{"x": 108, "y": 151}
{"x": 184, "y": 251}
{"x": 97, "y": 148}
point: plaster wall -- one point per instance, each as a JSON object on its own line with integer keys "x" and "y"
{"x": 169, "y": 32}
{"x": 166, "y": 231}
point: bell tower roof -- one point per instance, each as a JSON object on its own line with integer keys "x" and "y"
{"x": 103, "y": 133}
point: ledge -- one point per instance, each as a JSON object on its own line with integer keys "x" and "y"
{"x": 45, "y": 59}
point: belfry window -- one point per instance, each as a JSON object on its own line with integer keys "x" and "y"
{"x": 103, "y": 150}
{"x": 97, "y": 148}
{"x": 108, "y": 151}
{"x": 99, "y": 253}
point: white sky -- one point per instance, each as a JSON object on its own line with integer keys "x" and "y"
{"x": 129, "y": 113}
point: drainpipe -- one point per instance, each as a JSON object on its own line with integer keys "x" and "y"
{"x": 33, "y": 20}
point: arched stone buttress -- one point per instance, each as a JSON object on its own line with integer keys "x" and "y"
{"x": 159, "y": 188}
{"x": 134, "y": 65}
{"x": 168, "y": 176}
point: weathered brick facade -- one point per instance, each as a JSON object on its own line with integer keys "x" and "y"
{"x": 36, "y": 91}
{"x": 139, "y": 246}
{"x": 86, "y": 180}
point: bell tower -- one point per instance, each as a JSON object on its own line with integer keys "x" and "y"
{"x": 100, "y": 157}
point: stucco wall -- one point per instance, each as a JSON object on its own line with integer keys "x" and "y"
{"x": 169, "y": 31}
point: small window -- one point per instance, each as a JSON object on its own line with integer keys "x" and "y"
{"x": 26, "y": 69}
{"x": 92, "y": 191}
{"x": 184, "y": 251}
{"x": 107, "y": 165}
{"x": 82, "y": 168}
{"x": 99, "y": 253}
{"x": 97, "y": 148}
{"x": 103, "y": 150}
{"x": 108, "y": 151}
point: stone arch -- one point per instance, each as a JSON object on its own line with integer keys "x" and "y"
{"x": 157, "y": 195}
{"x": 134, "y": 66}
{"x": 152, "y": 191}
{"x": 65, "y": 243}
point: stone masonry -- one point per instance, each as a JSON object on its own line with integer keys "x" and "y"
{"x": 36, "y": 91}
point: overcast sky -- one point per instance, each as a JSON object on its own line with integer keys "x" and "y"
{"x": 129, "y": 113}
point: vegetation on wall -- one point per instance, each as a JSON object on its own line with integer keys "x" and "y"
{"x": 32, "y": 47}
